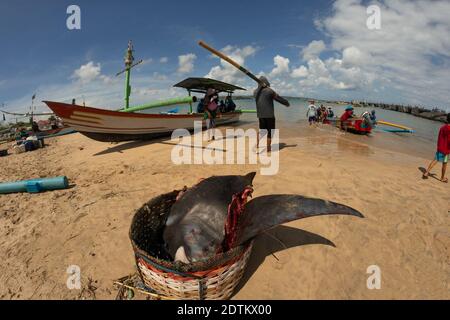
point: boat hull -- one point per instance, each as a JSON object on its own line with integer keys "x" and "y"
{"x": 114, "y": 126}
{"x": 353, "y": 125}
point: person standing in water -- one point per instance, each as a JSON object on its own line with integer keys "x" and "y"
{"x": 311, "y": 114}
{"x": 443, "y": 151}
{"x": 348, "y": 114}
{"x": 264, "y": 97}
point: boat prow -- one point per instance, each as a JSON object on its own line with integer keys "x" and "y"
{"x": 114, "y": 126}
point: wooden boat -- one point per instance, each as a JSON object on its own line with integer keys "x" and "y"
{"x": 126, "y": 124}
{"x": 354, "y": 125}
{"x": 114, "y": 126}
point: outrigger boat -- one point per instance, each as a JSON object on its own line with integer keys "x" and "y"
{"x": 126, "y": 124}
{"x": 354, "y": 125}
{"x": 32, "y": 130}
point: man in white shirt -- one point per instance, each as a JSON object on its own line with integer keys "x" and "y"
{"x": 311, "y": 114}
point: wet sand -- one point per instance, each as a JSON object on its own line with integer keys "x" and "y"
{"x": 406, "y": 230}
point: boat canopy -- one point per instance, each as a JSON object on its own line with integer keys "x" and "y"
{"x": 200, "y": 85}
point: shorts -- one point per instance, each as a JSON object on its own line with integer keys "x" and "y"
{"x": 312, "y": 119}
{"x": 267, "y": 124}
{"x": 441, "y": 157}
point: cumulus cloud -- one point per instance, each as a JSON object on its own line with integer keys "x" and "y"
{"x": 352, "y": 56}
{"x": 226, "y": 72}
{"x": 299, "y": 72}
{"x": 186, "y": 63}
{"x": 163, "y": 60}
{"x": 90, "y": 72}
{"x": 100, "y": 93}
{"x": 406, "y": 61}
{"x": 313, "y": 50}
{"x": 87, "y": 72}
{"x": 281, "y": 65}
{"x": 411, "y": 51}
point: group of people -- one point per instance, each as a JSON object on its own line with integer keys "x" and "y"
{"x": 265, "y": 97}
{"x": 212, "y": 108}
{"x": 318, "y": 114}
{"x": 223, "y": 106}
{"x": 369, "y": 118}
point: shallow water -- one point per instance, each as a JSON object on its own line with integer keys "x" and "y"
{"x": 421, "y": 143}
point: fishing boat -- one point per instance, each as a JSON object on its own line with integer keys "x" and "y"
{"x": 34, "y": 129}
{"x": 355, "y": 125}
{"x": 127, "y": 124}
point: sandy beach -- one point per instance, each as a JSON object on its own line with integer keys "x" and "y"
{"x": 406, "y": 230}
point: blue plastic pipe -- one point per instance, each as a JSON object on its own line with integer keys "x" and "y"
{"x": 35, "y": 185}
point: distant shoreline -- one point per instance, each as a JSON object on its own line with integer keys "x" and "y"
{"x": 434, "y": 114}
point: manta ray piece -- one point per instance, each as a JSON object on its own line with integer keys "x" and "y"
{"x": 214, "y": 216}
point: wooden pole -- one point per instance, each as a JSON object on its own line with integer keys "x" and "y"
{"x": 231, "y": 61}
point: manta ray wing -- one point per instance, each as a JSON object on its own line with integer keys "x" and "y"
{"x": 266, "y": 212}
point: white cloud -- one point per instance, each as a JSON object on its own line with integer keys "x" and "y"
{"x": 186, "y": 63}
{"x": 90, "y": 72}
{"x": 146, "y": 61}
{"x": 281, "y": 65}
{"x": 87, "y": 72}
{"x": 159, "y": 77}
{"x": 313, "y": 50}
{"x": 163, "y": 60}
{"x": 411, "y": 51}
{"x": 299, "y": 72}
{"x": 352, "y": 56}
{"x": 100, "y": 93}
{"x": 228, "y": 73}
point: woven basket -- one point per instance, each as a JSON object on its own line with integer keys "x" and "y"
{"x": 213, "y": 279}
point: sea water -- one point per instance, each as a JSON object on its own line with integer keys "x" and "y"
{"x": 420, "y": 143}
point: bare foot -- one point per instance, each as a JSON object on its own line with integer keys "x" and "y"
{"x": 425, "y": 175}
{"x": 444, "y": 180}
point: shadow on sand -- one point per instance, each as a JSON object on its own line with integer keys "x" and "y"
{"x": 129, "y": 145}
{"x": 136, "y": 144}
{"x": 275, "y": 240}
{"x": 283, "y": 145}
{"x": 432, "y": 175}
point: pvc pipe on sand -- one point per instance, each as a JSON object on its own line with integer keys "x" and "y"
{"x": 34, "y": 185}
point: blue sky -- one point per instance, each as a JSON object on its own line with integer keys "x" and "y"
{"x": 306, "y": 48}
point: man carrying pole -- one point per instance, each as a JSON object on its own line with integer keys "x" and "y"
{"x": 264, "y": 97}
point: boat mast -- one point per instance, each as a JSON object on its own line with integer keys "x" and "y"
{"x": 129, "y": 59}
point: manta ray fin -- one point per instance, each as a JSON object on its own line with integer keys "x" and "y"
{"x": 249, "y": 177}
{"x": 266, "y": 212}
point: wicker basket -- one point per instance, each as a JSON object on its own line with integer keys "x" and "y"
{"x": 213, "y": 279}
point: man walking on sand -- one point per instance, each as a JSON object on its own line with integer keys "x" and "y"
{"x": 443, "y": 150}
{"x": 264, "y": 97}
